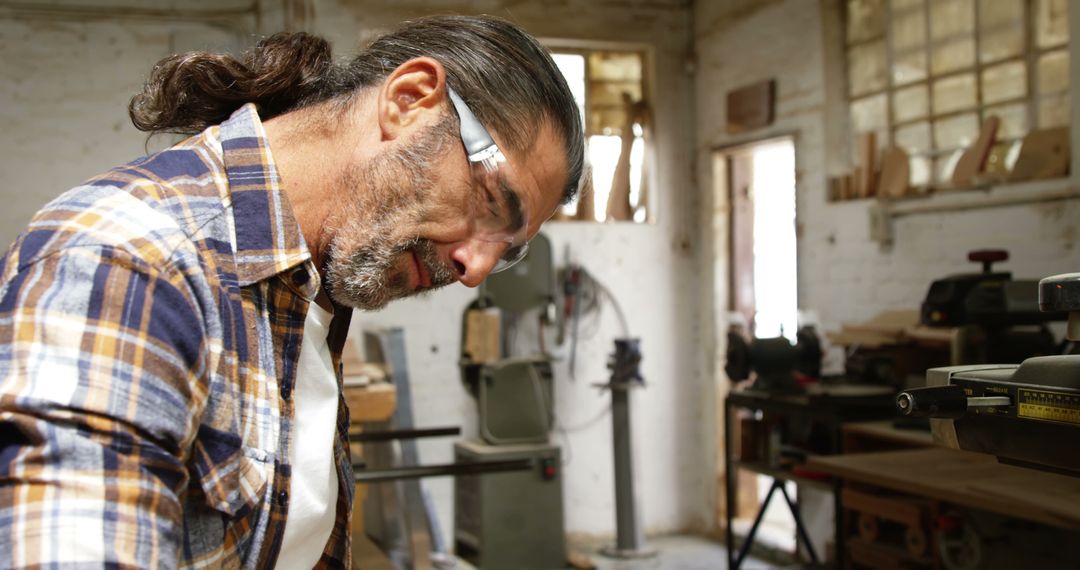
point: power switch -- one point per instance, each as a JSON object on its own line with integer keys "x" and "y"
{"x": 548, "y": 468}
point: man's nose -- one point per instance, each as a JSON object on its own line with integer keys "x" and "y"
{"x": 473, "y": 260}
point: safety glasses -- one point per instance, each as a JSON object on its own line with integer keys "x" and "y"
{"x": 498, "y": 212}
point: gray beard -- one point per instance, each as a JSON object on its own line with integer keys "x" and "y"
{"x": 367, "y": 280}
{"x": 385, "y": 195}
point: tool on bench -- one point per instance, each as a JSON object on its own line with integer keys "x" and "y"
{"x": 1026, "y": 414}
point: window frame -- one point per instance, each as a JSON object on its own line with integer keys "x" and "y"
{"x": 939, "y": 156}
{"x": 647, "y": 54}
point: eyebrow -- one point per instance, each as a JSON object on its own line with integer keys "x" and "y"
{"x": 513, "y": 203}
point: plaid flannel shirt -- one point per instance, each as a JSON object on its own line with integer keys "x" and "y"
{"x": 150, "y": 324}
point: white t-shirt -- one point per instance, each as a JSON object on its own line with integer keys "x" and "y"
{"x": 314, "y": 485}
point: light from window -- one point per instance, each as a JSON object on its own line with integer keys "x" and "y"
{"x": 924, "y": 74}
{"x": 598, "y": 80}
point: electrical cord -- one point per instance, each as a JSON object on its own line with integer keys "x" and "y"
{"x": 564, "y": 432}
{"x": 585, "y": 292}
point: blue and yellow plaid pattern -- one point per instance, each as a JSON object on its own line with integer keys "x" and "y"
{"x": 150, "y": 324}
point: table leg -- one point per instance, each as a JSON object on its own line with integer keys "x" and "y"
{"x": 799, "y": 526}
{"x": 757, "y": 522}
{"x": 729, "y": 485}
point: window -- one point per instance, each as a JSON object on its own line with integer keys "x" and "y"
{"x": 923, "y": 74}
{"x": 609, "y": 86}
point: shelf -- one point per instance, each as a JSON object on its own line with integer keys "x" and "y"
{"x": 884, "y": 212}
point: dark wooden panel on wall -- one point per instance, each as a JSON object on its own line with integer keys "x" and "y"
{"x": 751, "y": 107}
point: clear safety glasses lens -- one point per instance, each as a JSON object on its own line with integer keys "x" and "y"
{"x": 499, "y": 213}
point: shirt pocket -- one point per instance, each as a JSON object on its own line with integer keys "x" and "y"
{"x": 232, "y": 476}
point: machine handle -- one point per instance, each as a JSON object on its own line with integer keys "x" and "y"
{"x": 937, "y": 401}
{"x": 943, "y": 402}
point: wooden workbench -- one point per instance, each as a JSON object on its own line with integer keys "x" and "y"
{"x": 374, "y": 402}
{"x": 967, "y": 479}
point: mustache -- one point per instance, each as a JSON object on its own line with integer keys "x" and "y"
{"x": 440, "y": 273}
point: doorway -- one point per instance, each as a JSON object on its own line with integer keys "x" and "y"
{"x": 763, "y": 264}
{"x": 756, "y": 271}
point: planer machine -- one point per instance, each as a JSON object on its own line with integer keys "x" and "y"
{"x": 1026, "y": 414}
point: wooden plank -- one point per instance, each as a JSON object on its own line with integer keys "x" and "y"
{"x": 371, "y": 403}
{"x": 895, "y": 174}
{"x": 893, "y": 322}
{"x": 1043, "y": 154}
{"x": 885, "y": 431}
{"x": 973, "y": 161}
{"x": 482, "y": 335}
{"x": 867, "y": 169}
{"x": 970, "y": 479}
{"x": 894, "y": 510}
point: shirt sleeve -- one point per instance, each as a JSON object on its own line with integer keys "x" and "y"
{"x": 101, "y": 357}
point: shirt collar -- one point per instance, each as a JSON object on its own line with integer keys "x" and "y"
{"x": 268, "y": 237}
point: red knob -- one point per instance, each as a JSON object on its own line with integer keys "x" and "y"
{"x": 988, "y": 255}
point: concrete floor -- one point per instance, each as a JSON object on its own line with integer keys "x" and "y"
{"x": 679, "y": 552}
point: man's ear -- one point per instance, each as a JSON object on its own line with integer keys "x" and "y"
{"x": 410, "y": 96}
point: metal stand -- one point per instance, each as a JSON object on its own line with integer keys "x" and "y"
{"x": 629, "y": 542}
{"x": 776, "y": 484}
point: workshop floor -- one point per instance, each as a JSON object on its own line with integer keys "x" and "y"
{"x": 679, "y": 552}
{"x": 673, "y": 553}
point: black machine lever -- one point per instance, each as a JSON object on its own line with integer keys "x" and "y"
{"x": 944, "y": 402}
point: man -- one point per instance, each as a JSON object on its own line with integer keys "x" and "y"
{"x": 171, "y": 329}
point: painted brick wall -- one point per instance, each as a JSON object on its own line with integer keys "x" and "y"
{"x": 63, "y": 99}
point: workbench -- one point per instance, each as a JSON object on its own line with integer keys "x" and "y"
{"x": 374, "y": 402}
{"x": 966, "y": 479}
{"x": 831, "y": 407}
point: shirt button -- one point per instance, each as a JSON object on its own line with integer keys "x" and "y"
{"x": 286, "y": 391}
{"x": 282, "y": 498}
{"x": 299, "y": 277}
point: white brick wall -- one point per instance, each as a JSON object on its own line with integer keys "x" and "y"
{"x": 63, "y": 100}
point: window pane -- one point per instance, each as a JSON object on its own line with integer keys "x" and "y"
{"x": 572, "y": 66}
{"x": 615, "y": 66}
{"x": 1001, "y": 44}
{"x": 1014, "y": 119}
{"x": 1051, "y": 22}
{"x": 954, "y": 93}
{"x": 914, "y": 138}
{"x": 866, "y": 68}
{"x": 609, "y": 93}
{"x": 953, "y": 55}
{"x": 904, "y": 5}
{"x": 951, "y": 19}
{"x": 605, "y": 120}
{"x": 1001, "y": 32}
{"x": 909, "y": 67}
{"x": 908, "y": 30}
{"x": 911, "y": 103}
{"x": 956, "y": 131}
{"x": 920, "y": 170}
{"x": 869, "y": 114}
{"x": 1054, "y": 111}
{"x": 865, "y": 20}
{"x": 1004, "y": 82}
{"x": 1054, "y": 72}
